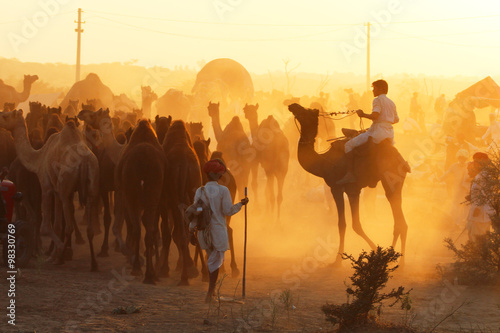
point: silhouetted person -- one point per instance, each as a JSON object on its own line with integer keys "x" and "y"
{"x": 440, "y": 106}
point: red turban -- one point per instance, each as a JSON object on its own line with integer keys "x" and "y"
{"x": 214, "y": 166}
{"x": 480, "y": 157}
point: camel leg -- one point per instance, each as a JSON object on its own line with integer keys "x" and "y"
{"x": 118, "y": 225}
{"x": 69, "y": 217}
{"x": 400, "y": 227}
{"x": 255, "y": 177}
{"x": 270, "y": 190}
{"x": 356, "y": 223}
{"x": 107, "y": 223}
{"x": 78, "y": 235}
{"x": 164, "y": 268}
{"x": 92, "y": 213}
{"x": 188, "y": 268}
{"x": 235, "y": 272}
{"x": 204, "y": 269}
{"x": 58, "y": 224}
{"x": 149, "y": 220}
{"x": 280, "y": 177}
{"x": 46, "y": 228}
{"x": 134, "y": 230}
{"x": 338, "y": 196}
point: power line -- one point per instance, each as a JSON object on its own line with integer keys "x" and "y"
{"x": 443, "y": 42}
{"x": 290, "y": 25}
{"x": 22, "y": 19}
{"x": 296, "y": 38}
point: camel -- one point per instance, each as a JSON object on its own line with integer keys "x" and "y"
{"x": 148, "y": 97}
{"x": 139, "y": 184}
{"x": 62, "y": 165}
{"x": 7, "y": 148}
{"x": 195, "y": 130}
{"x": 9, "y": 95}
{"x": 331, "y": 166}
{"x": 90, "y": 88}
{"x": 183, "y": 177}
{"x": 161, "y": 126}
{"x": 272, "y": 152}
{"x": 9, "y": 106}
{"x": 235, "y": 145}
{"x": 72, "y": 109}
{"x": 174, "y": 103}
{"x": 108, "y": 152}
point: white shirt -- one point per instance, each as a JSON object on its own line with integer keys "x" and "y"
{"x": 386, "y": 109}
{"x": 222, "y": 205}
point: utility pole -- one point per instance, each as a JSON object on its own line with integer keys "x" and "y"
{"x": 367, "y": 57}
{"x": 79, "y": 30}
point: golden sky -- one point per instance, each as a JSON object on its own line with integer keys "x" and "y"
{"x": 430, "y": 37}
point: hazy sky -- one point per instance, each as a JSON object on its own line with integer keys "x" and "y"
{"x": 448, "y": 37}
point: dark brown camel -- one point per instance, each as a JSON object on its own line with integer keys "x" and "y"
{"x": 139, "y": 183}
{"x": 272, "y": 152}
{"x": 161, "y": 126}
{"x": 7, "y": 148}
{"x": 108, "y": 149}
{"x": 195, "y": 130}
{"x": 331, "y": 166}
{"x": 234, "y": 143}
{"x": 183, "y": 177}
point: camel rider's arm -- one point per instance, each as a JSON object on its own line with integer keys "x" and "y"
{"x": 373, "y": 116}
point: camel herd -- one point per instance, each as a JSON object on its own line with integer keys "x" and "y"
{"x": 146, "y": 172}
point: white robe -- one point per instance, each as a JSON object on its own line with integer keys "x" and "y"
{"x": 222, "y": 205}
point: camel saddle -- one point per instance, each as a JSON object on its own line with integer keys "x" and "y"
{"x": 371, "y": 161}
{"x": 350, "y": 133}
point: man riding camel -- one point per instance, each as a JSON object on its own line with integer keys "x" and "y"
{"x": 383, "y": 115}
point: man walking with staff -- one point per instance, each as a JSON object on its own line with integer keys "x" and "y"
{"x": 215, "y": 239}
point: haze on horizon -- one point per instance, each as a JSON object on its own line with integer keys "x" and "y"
{"x": 433, "y": 38}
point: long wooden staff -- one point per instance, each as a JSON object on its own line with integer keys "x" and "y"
{"x": 245, "y": 251}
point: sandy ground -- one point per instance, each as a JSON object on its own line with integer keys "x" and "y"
{"x": 292, "y": 254}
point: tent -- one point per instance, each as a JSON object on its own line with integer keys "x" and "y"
{"x": 485, "y": 93}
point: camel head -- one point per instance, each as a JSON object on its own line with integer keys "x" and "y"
{"x": 251, "y": 111}
{"x": 213, "y": 109}
{"x": 148, "y": 94}
{"x": 73, "y": 119}
{"x": 307, "y": 118}
{"x": 195, "y": 129}
{"x": 29, "y": 79}
{"x": 9, "y": 106}
{"x": 8, "y": 120}
{"x": 37, "y": 108}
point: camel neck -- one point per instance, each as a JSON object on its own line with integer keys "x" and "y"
{"x": 26, "y": 90}
{"x": 254, "y": 126}
{"x": 216, "y": 126}
{"x": 28, "y": 156}
{"x": 112, "y": 147}
{"x": 309, "y": 159}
